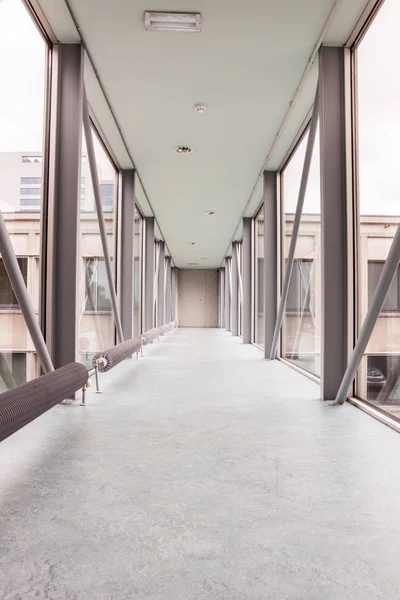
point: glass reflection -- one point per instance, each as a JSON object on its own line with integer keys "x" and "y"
{"x": 23, "y": 66}
{"x": 301, "y": 328}
{"x": 96, "y": 329}
{"x": 378, "y": 85}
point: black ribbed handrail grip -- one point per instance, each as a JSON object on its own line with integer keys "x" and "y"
{"x": 24, "y": 403}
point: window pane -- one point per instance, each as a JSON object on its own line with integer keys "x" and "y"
{"x": 301, "y": 328}
{"x": 137, "y": 272}
{"x": 23, "y": 58}
{"x": 378, "y": 92}
{"x": 259, "y": 278}
{"x": 96, "y": 320}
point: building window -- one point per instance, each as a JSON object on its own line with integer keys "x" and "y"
{"x": 392, "y": 300}
{"x": 97, "y": 290}
{"x": 29, "y": 202}
{"x": 298, "y": 299}
{"x": 25, "y": 180}
{"x": 13, "y": 369}
{"x": 30, "y": 191}
{"x": 7, "y": 296}
{"x": 31, "y": 159}
{"x": 107, "y": 196}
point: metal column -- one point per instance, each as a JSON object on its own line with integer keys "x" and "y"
{"x": 334, "y": 275}
{"x": 247, "y": 289}
{"x": 221, "y": 276}
{"x": 270, "y": 259}
{"x": 227, "y": 303}
{"x": 61, "y": 253}
{"x": 296, "y": 225}
{"x": 127, "y": 234}
{"x": 174, "y": 294}
{"x": 235, "y": 291}
{"x": 100, "y": 217}
{"x": 221, "y": 298}
{"x": 168, "y": 290}
{"x": 149, "y": 274}
{"x": 161, "y": 287}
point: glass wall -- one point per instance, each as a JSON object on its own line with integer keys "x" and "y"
{"x": 259, "y": 278}
{"x": 301, "y": 328}
{"x": 137, "y": 272}
{"x": 96, "y": 330}
{"x": 23, "y": 65}
{"x": 240, "y": 289}
{"x": 378, "y": 124}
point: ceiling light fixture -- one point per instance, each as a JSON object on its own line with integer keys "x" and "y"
{"x": 183, "y": 150}
{"x": 191, "y": 243}
{"x": 172, "y": 21}
{"x": 209, "y": 212}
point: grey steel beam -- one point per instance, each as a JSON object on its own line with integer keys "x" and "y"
{"x": 161, "y": 286}
{"x": 174, "y": 294}
{"x": 296, "y": 225}
{"x": 126, "y": 218}
{"x": 227, "y": 303}
{"x": 149, "y": 274}
{"x": 155, "y": 286}
{"x": 221, "y": 298}
{"x": 168, "y": 290}
{"x": 61, "y": 253}
{"x": 240, "y": 281}
{"x": 21, "y": 293}
{"x": 100, "y": 217}
{"x": 235, "y": 291}
{"x": 334, "y": 274}
{"x": 270, "y": 259}
{"x": 247, "y": 280}
{"x": 388, "y": 272}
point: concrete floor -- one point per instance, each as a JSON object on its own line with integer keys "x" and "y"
{"x": 201, "y": 472}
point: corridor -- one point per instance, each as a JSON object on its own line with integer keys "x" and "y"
{"x": 201, "y": 472}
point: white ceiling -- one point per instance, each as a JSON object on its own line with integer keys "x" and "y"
{"x": 245, "y": 65}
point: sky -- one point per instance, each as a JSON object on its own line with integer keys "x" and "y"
{"x": 22, "y": 73}
{"x": 378, "y": 89}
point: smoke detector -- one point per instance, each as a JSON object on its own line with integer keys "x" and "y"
{"x": 183, "y": 149}
{"x": 200, "y": 108}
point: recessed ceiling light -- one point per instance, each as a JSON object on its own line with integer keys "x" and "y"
{"x": 209, "y": 212}
{"x": 183, "y": 150}
{"x": 172, "y": 21}
{"x": 200, "y": 108}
